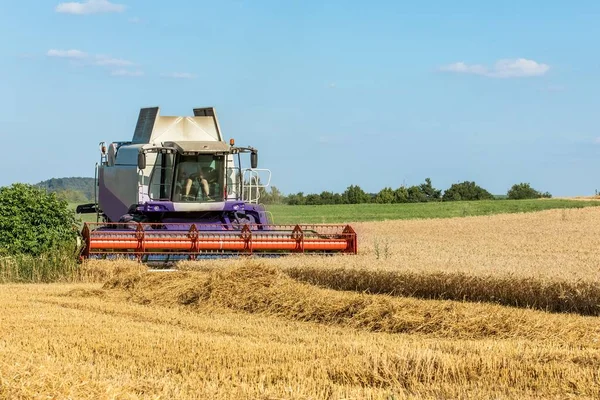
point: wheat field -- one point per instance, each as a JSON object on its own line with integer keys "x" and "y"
{"x": 547, "y": 244}
{"x": 280, "y": 329}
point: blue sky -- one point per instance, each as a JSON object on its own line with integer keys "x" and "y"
{"x": 333, "y": 93}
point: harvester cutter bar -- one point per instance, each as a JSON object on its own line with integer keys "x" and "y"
{"x": 176, "y": 241}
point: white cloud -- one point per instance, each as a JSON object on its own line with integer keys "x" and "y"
{"x": 464, "y": 68}
{"x": 505, "y": 68}
{"x": 125, "y": 72}
{"x": 179, "y": 75}
{"x": 597, "y": 140}
{"x": 82, "y": 58}
{"x": 72, "y": 54}
{"x": 518, "y": 68}
{"x": 89, "y": 7}
{"x": 113, "y": 62}
{"x": 135, "y": 20}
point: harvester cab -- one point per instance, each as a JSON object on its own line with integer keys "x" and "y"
{"x": 178, "y": 190}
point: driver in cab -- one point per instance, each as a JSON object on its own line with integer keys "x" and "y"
{"x": 200, "y": 177}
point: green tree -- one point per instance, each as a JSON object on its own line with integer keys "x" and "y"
{"x": 83, "y": 185}
{"x": 525, "y": 191}
{"x": 401, "y": 195}
{"x": 34, "y": 222}
{"x": 466, "y": 191}
{"x": 385, "y": 196}
{"x": 72, "y": 196}
{"x": 355, "y": 195}
{"x": 416, "y": 195}
{"x": 431, "y": 193}
{"x": 327, "y": 198}
{"x": 297, "y": 199}
{"x": 313, "y": 200}
{"x": 338, "y": 199}
{"x": 273, "y": 196}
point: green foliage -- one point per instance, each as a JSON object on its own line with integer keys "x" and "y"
{"x": 355, "y": 195}
{"x": 344, "y": 213}
{"x": 522, "y": 191}
{"x": 422, "y": 193}
{"x": 415, "y": 195}
{"x": 466, "y": 191}
{"x": 83, "y": 186}
{"x": 401, "y": 195}
{"x": 327, "y": 198}
{"x": 32, "y": 221}
{"x": 313, "y": 200}
{"x": 296, "y": 199}
{"x": 72, "y": 196}
{"x": 431, "y": 193}
{"x": 60, "y": 265}
{"x": 273, "y": 196}
{"x": 385, "y": 196}
{"x": 338, "y": 199}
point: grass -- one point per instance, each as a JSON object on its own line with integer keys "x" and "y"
{"x": 284, "y": 214}
{"x": 83, "y": 217}
{"x": 59, "y": 266}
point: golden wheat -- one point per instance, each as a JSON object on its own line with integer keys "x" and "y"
{"x": 546, "y": 260}
{"x": 554, "y": 244}
{"x": 252, "y": 332}
{"x": 245, "y": 329}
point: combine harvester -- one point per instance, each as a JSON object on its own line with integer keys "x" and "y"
{"x": 178, "y": 191}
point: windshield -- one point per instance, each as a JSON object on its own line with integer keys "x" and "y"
{"x": 199, "y": 178}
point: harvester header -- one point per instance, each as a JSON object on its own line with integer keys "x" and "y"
{"x": 178, "y": 190}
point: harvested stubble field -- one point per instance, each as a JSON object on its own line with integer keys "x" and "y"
{"x": 272, "y": 329}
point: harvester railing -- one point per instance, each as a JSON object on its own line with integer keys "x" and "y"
{"x": 253, "y": 181}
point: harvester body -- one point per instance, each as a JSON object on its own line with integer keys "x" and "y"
{"x": 178, "y": 190}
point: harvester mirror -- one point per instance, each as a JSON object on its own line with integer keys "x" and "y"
{"x": 254, "y": 159}
{"x": 141, "y": 160}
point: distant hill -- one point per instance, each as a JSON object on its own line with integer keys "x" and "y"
{"x": 74, "y": 189}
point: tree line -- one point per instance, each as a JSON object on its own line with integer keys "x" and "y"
{"x": 81, "y": 190}
{"x": 73, "y": 189}
{"x": 422, "y": 193}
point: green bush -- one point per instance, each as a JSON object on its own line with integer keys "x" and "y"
{"x": 466, "y": 191}
{"x": 431, "y": 193}
{"x": 313, "y": 200}
{"x": 414, "y": 194}
{"x": 33, "y": 222}
{"x": 522, "y": 191}
{"x": 385, "y": 196}
{"x": 401, "y": 195}
{"x": 355, "y": 195}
